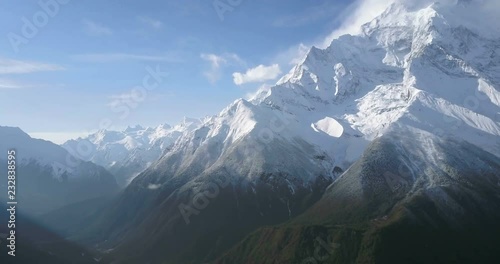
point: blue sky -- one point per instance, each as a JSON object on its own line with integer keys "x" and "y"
{"x": 82, "y": 62}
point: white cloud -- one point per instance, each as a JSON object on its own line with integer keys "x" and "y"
{"x": 260, "y": 73}
{"x": 113, "y": 57}
{"x": 94, "y": 29}
{"x": 213, "y": 74}
{"x": 156, "y": 24}
{"x": 9, "y": 66}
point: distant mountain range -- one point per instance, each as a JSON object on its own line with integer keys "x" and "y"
{"x": 127, "y": 153}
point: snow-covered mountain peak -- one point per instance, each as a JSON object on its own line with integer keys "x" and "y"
{"x": 391, "y": 43}
{"x": 477, "y": 15}
{"x": 133, "y": 129}
{"x": 163, "y": 127}
{"x": 418, "y": 65}
{"x": 188, "y": 123}
{"x": 104, "y": 136}
{"x": 126, "y": 153}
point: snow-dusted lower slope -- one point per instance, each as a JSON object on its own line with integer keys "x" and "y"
{"x": 127, "y": 153}
{"x": 441, "y": 193}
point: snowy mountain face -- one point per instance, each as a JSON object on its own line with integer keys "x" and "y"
{"x": 127, "y": 153}
{"x": 272, "y": 157}
{"x": 427, "y": 68}
{"x": 416, "y": 67}
{"x": 49, "y": 175}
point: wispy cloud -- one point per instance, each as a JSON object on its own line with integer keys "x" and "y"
{"x": 213, "y": 74}
{"x": 114, "y": 57}
{"x": 354, "y": 16}
{"x": 293, "y": 55}
{"x": 260, "y": 73}
{"x": 94, "y": 29}
{"x": 9, "y": 66}
{"x": 350, "y": 20}
{"x": 364, "y": 11}
{"x": 9, "y": 84}
{"x": 156, "y": 24}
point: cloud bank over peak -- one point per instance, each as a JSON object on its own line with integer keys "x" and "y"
{"x": 363, "y": 11}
